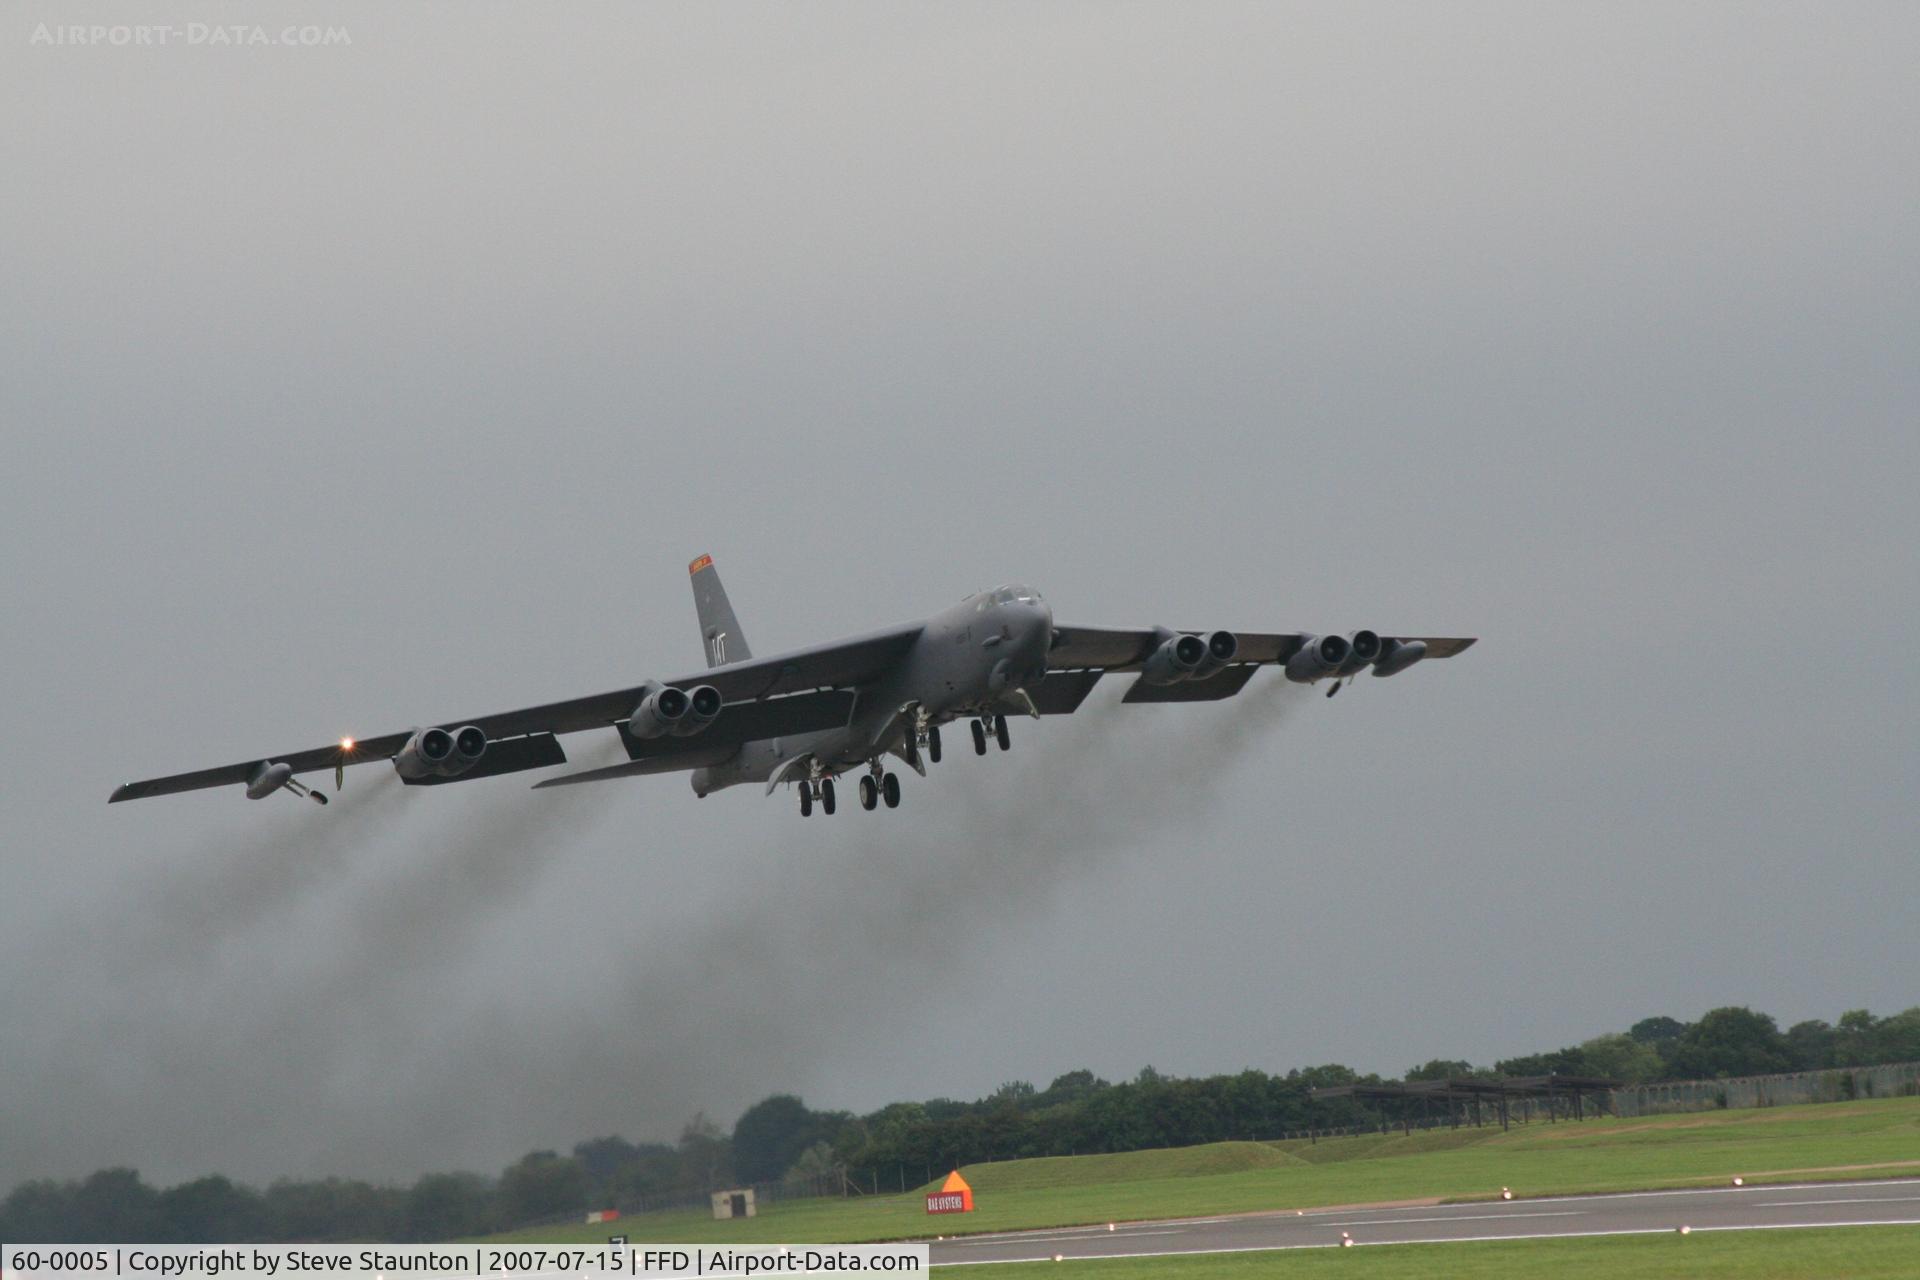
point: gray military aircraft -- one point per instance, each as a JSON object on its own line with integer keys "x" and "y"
{"x": 810, "y": 715}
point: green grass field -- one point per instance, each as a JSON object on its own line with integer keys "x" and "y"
{"x": 1852, "y": 1253}
{"x": 1842, "y": 1140}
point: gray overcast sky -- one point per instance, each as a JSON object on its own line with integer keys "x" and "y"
{"x": 345, "y": 388}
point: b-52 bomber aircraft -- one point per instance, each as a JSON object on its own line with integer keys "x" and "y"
{"x": 811, "y": 715}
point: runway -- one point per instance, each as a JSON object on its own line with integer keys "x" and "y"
{"x": 1826, "y": 1204}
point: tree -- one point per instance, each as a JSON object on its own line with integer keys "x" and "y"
{"x": 1897, "y": 1039}
{"x": 542, "y": 1184}
{"x": 447, "y": 1206}
{"x": 212, "y": 1210}
{"x": 1017, "y": 1092}
{"x": 1811, "y": 1045}
{"x": 1657, "y": 1031}
{"x": 706, "y": 1157}
{"x": 114, "y": 1204}
{"x": 1854, "y": 1039}
{"x": 1440, "y": 1069}
{"x": 770, "y": 1135}
{"x": 38, "y": 1212}
{"x": 1074, "y": 1086}
{"x": 1733, "y": 1041}
{"x": 1621, "y": 1057}
{"x": 332, "y": 1209}
{"x": 816, "y": 1171}
{"x": 603, "y": 1157}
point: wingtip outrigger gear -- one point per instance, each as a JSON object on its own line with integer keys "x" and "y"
{"x": 268, "y": 777}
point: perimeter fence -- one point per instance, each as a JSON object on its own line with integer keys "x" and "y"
{"x": 1836, "y": 1084}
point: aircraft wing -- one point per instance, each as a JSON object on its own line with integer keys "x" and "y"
{"x": 1122, "y": 648}
{"x": 524, "y": 738}
{"x": 1097, "y": 650}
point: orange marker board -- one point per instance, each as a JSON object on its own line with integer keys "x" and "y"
{"x": 954, "y": 1196}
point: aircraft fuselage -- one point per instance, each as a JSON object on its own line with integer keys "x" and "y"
{"x": 966, "y": 659}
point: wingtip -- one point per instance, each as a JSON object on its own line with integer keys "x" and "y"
{"x": 698, "y": 563}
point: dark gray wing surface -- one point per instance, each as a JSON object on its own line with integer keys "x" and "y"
{"x": 1059, "y": 694}
{"x": 841, "y": 664}
{"x": 742, "y": 722}
{"x": 1101, "y": 649}
{"x": 1123, "y": 648}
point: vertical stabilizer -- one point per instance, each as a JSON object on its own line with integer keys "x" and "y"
{"x": 719, "y": 629}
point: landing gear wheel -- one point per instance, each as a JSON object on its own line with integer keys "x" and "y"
{"x": 869, "y": 794}
{"x": 933, "y": 744}
{"x": 890, "y": 788}
{"x": 979, "y": 738}
{"x": 826, "y": 795}
{"x": 806, "y": 800}
{"x": 1000, "y": 732}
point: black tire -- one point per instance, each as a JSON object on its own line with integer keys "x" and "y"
{"x": 1000, "y": 732}
{"x": 806, "y": 800}
{"x": 869, "y": 794}
{"x": 826, "y": 795}
{"x": 933, "y": 744}
{"x": 979, "y": 738}
{"x": 890, "y": 788}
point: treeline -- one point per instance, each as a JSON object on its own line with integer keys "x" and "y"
{"x": 781, "y": 1140}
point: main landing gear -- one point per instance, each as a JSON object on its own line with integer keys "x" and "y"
{"x": 824, "y": 788}
{"x": 877, "y": 786}
{"x": 999, "y": 729}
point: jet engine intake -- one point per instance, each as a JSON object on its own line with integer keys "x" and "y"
{"x": 1177, "y": 658}
{"x": 659, "y": 713}
{"x": 469, "y": 744}
{"x": 1363, "y": 647}
{"x": 424, "y": 753}
{"x": 1318, "y": 658}
{"x": 431, "y": 752}
{"x": 703, "y": 708}
{"x": 1221, "y": 648}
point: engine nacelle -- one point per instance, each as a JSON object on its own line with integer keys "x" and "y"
{"x": 1221, "y": 648}
{"x": 1177, "y": 658}
{"x": 659, "y": 713}
{"x": 438, "y": 753}
{"x": 1397, "y": 655}
{"x": 1318, "y": 658}
{"x": 469, "y": 744}
{"x": 703, "y": 708}
{"x": 1363, "y": 647}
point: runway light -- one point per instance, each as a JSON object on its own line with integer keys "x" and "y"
{"x": 1506, "y": 1194}
{"x": 1739, "y": 1182}
{"x": 1109, "y": 1226}
{"x": 1685, "y": 1229}
{"x": 1347, "y": 1243}
{"x": 1058, "y": 1258}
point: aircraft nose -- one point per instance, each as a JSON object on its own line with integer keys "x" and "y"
{"x": 1036, "y": 627}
